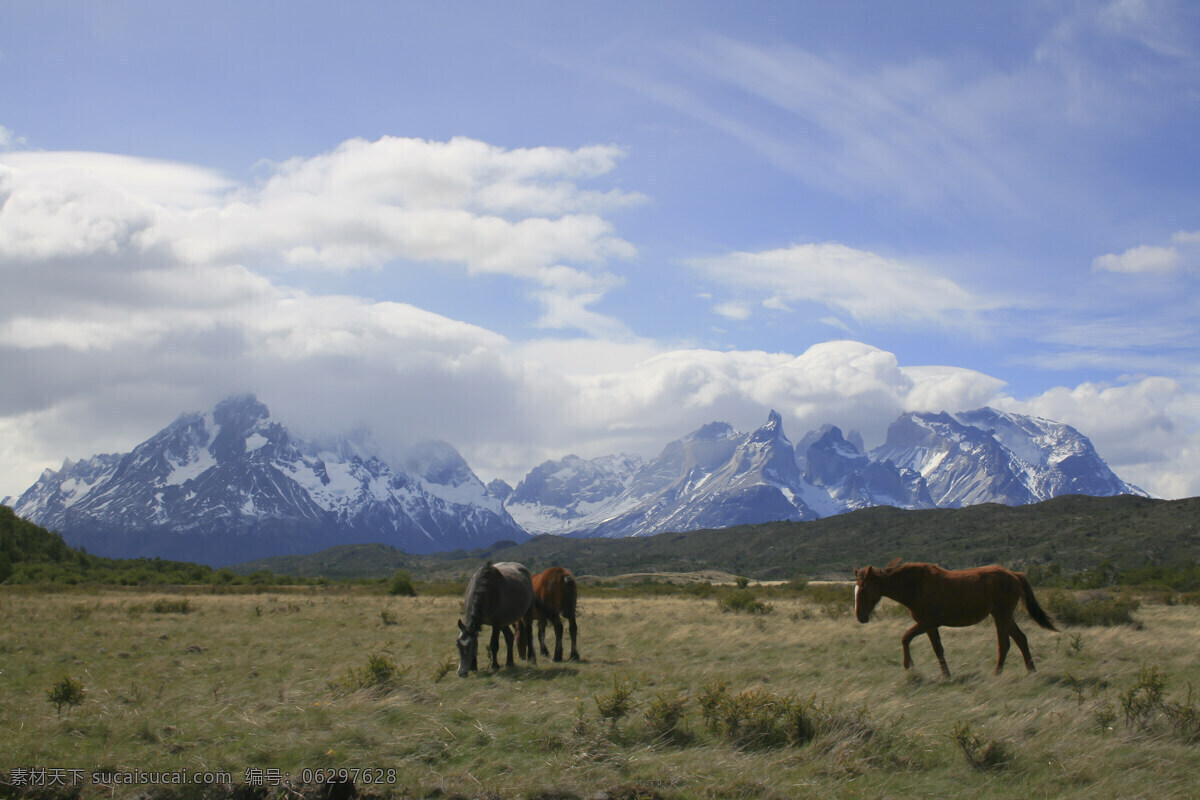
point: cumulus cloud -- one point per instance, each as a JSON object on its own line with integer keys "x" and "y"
{"x": 8, "y": 139}
{"x": 1144, "y": 258}
{"x": 1146, "y": 429}
{"x": 132, "y": 293}
{"x": 867, "y": 286}
{"x": 462, "y": 204}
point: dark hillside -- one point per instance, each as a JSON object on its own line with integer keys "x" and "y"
{"x": 1074, "y": 533}
{"x": 32, "y": 554}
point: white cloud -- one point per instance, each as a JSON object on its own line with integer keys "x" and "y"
{"x": 463, "y": 204}
{"x": 1135, "y": 260}
{"x": 865, "y": 285}
{"x": 733, "y": 310}
{"x": 8, "y": 139}
{"x": 1148, "y": 429}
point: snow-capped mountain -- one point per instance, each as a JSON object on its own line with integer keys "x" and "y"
{"x": 987, "y": 456}
{"x": 717, "y": 477}
{"x": 233, "y": 485}
{"x": 714, "y": 477}
{"x": 852, "y": 480}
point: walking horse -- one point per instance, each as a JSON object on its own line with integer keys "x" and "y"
{"x": 954, "y": 598}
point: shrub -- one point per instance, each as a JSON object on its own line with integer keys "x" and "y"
{"x": 756, "y": 718}
{"x": 380, "y": 675}
{"x": 1092, "y": 608}
{"x": 665, "y": 712}
{"x": 68, "y": 692}
{"x": 401, "y": 584}
{"x": 743, "y": 601}
{"x": 981, "y": 755}
{"x": 1145, "y": 702}
{"x": 165, "y": 606}
{"x": 615, "y": 704}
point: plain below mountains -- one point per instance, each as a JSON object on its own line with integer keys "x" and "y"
{"x": 233, "y": 485}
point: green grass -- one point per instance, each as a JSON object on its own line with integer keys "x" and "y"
{"x": 674, "y": 699}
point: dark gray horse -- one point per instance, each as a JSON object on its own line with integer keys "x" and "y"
{"x": 497, "y": 595}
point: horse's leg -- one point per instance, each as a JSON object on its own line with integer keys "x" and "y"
{"x": 1004, "y": 626}
{"x": 908, "y": 636}
{"x": 935, "y": 639}
{"x": 508, "y": 640}
{"x": 519, "y": 632}
{"x": 1022, "y": 641}
{"x": 574, "y": 629}
{"x": 558, "y": 632}
{"x": 494, "y": 646}
{"x": 542, "y": 636}
{"x": 529, "y": 627}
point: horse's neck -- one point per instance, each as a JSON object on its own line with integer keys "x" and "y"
{"x": 476, "y": 604}
{"x": 901, "y": 586}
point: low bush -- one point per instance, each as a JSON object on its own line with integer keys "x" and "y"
{"x": 68, "y": 692}
{"x": 165, "y": 606}
{"x": 1100, "y": 608}
{"x": 980, "y": 754}
{"x": 401, "y": 584}
{"x": 743, "y": 601}
{"x": 756, "y": 718}
{"x": 380, "y": 675}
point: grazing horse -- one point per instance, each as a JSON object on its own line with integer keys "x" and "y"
{"x": 956, "y": 598}
{"x": 555, "y": 593}
{"x": 498, "y": 595}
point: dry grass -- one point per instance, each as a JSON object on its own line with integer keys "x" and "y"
{"x": 236, "y": 682}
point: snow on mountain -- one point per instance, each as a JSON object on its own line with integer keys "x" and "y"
{"x": 233, "y": 485}
{"x": 718, "y": 477}
{"x": 985, "y": 456}
{"x": 852, "y": 480}
{"x": 567, "y": 495}
{"x": 712, "y": 478}
{"x": 1057, "y": 458}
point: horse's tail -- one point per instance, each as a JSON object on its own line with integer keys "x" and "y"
{"x": 1038, "y": 614}
{"x": 570, "y": 596}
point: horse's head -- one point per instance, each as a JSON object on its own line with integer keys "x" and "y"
{"x": 468, "y": 649}
{"x": 867, "y": 592}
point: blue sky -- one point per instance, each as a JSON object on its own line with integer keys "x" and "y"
{"x": 534, "y": 229}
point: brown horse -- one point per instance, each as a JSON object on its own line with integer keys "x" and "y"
{"x": 956, "y": 598}
{"x": 555, "y": 596}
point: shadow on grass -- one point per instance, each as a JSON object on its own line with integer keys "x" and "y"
{"x": 525, "y": 673}
{"x": 916, "y": 679}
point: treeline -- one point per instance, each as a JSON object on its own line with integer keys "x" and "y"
{"x": 32, "y": 554}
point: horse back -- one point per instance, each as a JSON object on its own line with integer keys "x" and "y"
{"x": 958, "y": 598}
{"x": 512, "y": 595}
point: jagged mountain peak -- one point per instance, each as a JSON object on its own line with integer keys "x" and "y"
{"x": 232, "y": 484}
{"x": 212, "y": 486}
{"x": 770, "y": 430}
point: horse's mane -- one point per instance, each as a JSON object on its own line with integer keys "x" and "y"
{"x": 481, "y": 583}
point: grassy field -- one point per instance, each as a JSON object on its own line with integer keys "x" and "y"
{"x": 673, "y": 699}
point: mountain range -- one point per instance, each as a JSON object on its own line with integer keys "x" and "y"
{"x": 233, "y": 485}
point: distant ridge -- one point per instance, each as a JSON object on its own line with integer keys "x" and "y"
{"x": 1073, "y": 532}
{"x": 233, "y": 484}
